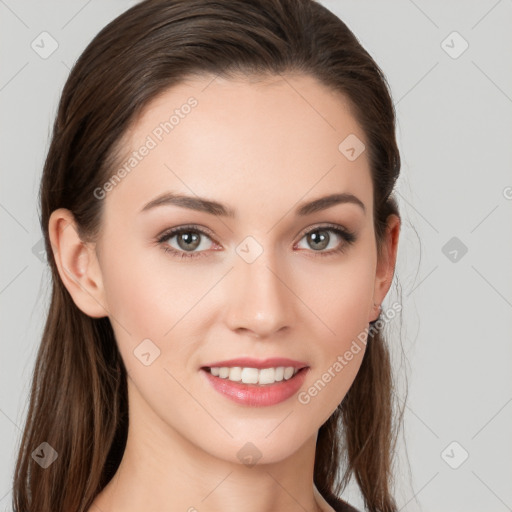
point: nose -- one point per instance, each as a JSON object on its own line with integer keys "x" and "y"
{"x": 260, "y": 299}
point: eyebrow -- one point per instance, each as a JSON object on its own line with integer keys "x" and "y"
{"x": 214, "y": 208}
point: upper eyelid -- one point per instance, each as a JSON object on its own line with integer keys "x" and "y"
{"x": 171, "y": 232}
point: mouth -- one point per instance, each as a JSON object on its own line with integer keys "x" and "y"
{"x": 248, "y": 370}
{"x": 256, "y": 387}
{"x": 255, "y": 376}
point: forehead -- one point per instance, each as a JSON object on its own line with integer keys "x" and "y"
{"x": 244, "y": 142}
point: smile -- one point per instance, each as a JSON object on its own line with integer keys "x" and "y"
{"x": 263, "y": 387}
{"x": 248, "y": 375}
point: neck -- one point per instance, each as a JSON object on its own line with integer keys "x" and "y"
{"x": 162, "y": 470}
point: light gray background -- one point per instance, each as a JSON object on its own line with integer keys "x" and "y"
{"x": 455, "y": 134}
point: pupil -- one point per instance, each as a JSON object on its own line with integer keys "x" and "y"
{"x": 188, "y": 239}
{"x": 321, "y": 239}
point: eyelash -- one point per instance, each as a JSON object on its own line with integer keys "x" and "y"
{"x": 346, "y": 235}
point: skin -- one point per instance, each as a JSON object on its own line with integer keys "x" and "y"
{"x": 261, "y": 148}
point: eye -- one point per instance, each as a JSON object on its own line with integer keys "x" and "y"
{"x": 319, "y": 239}
{"x": 188, "y": 239}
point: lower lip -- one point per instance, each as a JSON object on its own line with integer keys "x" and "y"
{"x": 257, "y": 395}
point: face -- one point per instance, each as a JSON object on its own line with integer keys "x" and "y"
{"x": 270, "y": 279}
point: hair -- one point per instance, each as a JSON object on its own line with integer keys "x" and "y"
{"x": 78, "y": 398}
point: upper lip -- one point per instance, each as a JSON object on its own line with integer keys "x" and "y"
{"x": 249, "y": 362}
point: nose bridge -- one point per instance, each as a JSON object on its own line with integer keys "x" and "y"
{"x": 259, "y": 299}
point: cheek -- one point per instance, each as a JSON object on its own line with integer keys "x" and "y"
{"x": 145, "y": 292}
{"x": 341, "y": 300}
{"x": 340, "y": 337}
{"x": 151, "y": 306}
{"x": 152, "y": 298}
{"x": 131, "y": 295}
{"x": 340, "y": 294}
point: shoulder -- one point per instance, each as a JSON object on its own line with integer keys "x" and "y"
{"x": 338, "y": 504}
{"x": 342, "y": 506}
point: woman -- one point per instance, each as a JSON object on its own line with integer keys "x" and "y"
{"x": 216, "y": 204}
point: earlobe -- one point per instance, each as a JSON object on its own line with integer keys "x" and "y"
{"x": 77, "y": 264}
{"x": 386, "y": 265}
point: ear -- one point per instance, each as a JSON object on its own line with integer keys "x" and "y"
{"x": 386, "y": 265}
{"x": 77, "y": 264}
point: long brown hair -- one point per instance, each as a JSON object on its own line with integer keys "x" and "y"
{"x": 78, "y": 399}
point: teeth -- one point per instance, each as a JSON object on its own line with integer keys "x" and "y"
{"x": 254, "y": 375}
{"x": 235, "y": 374}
